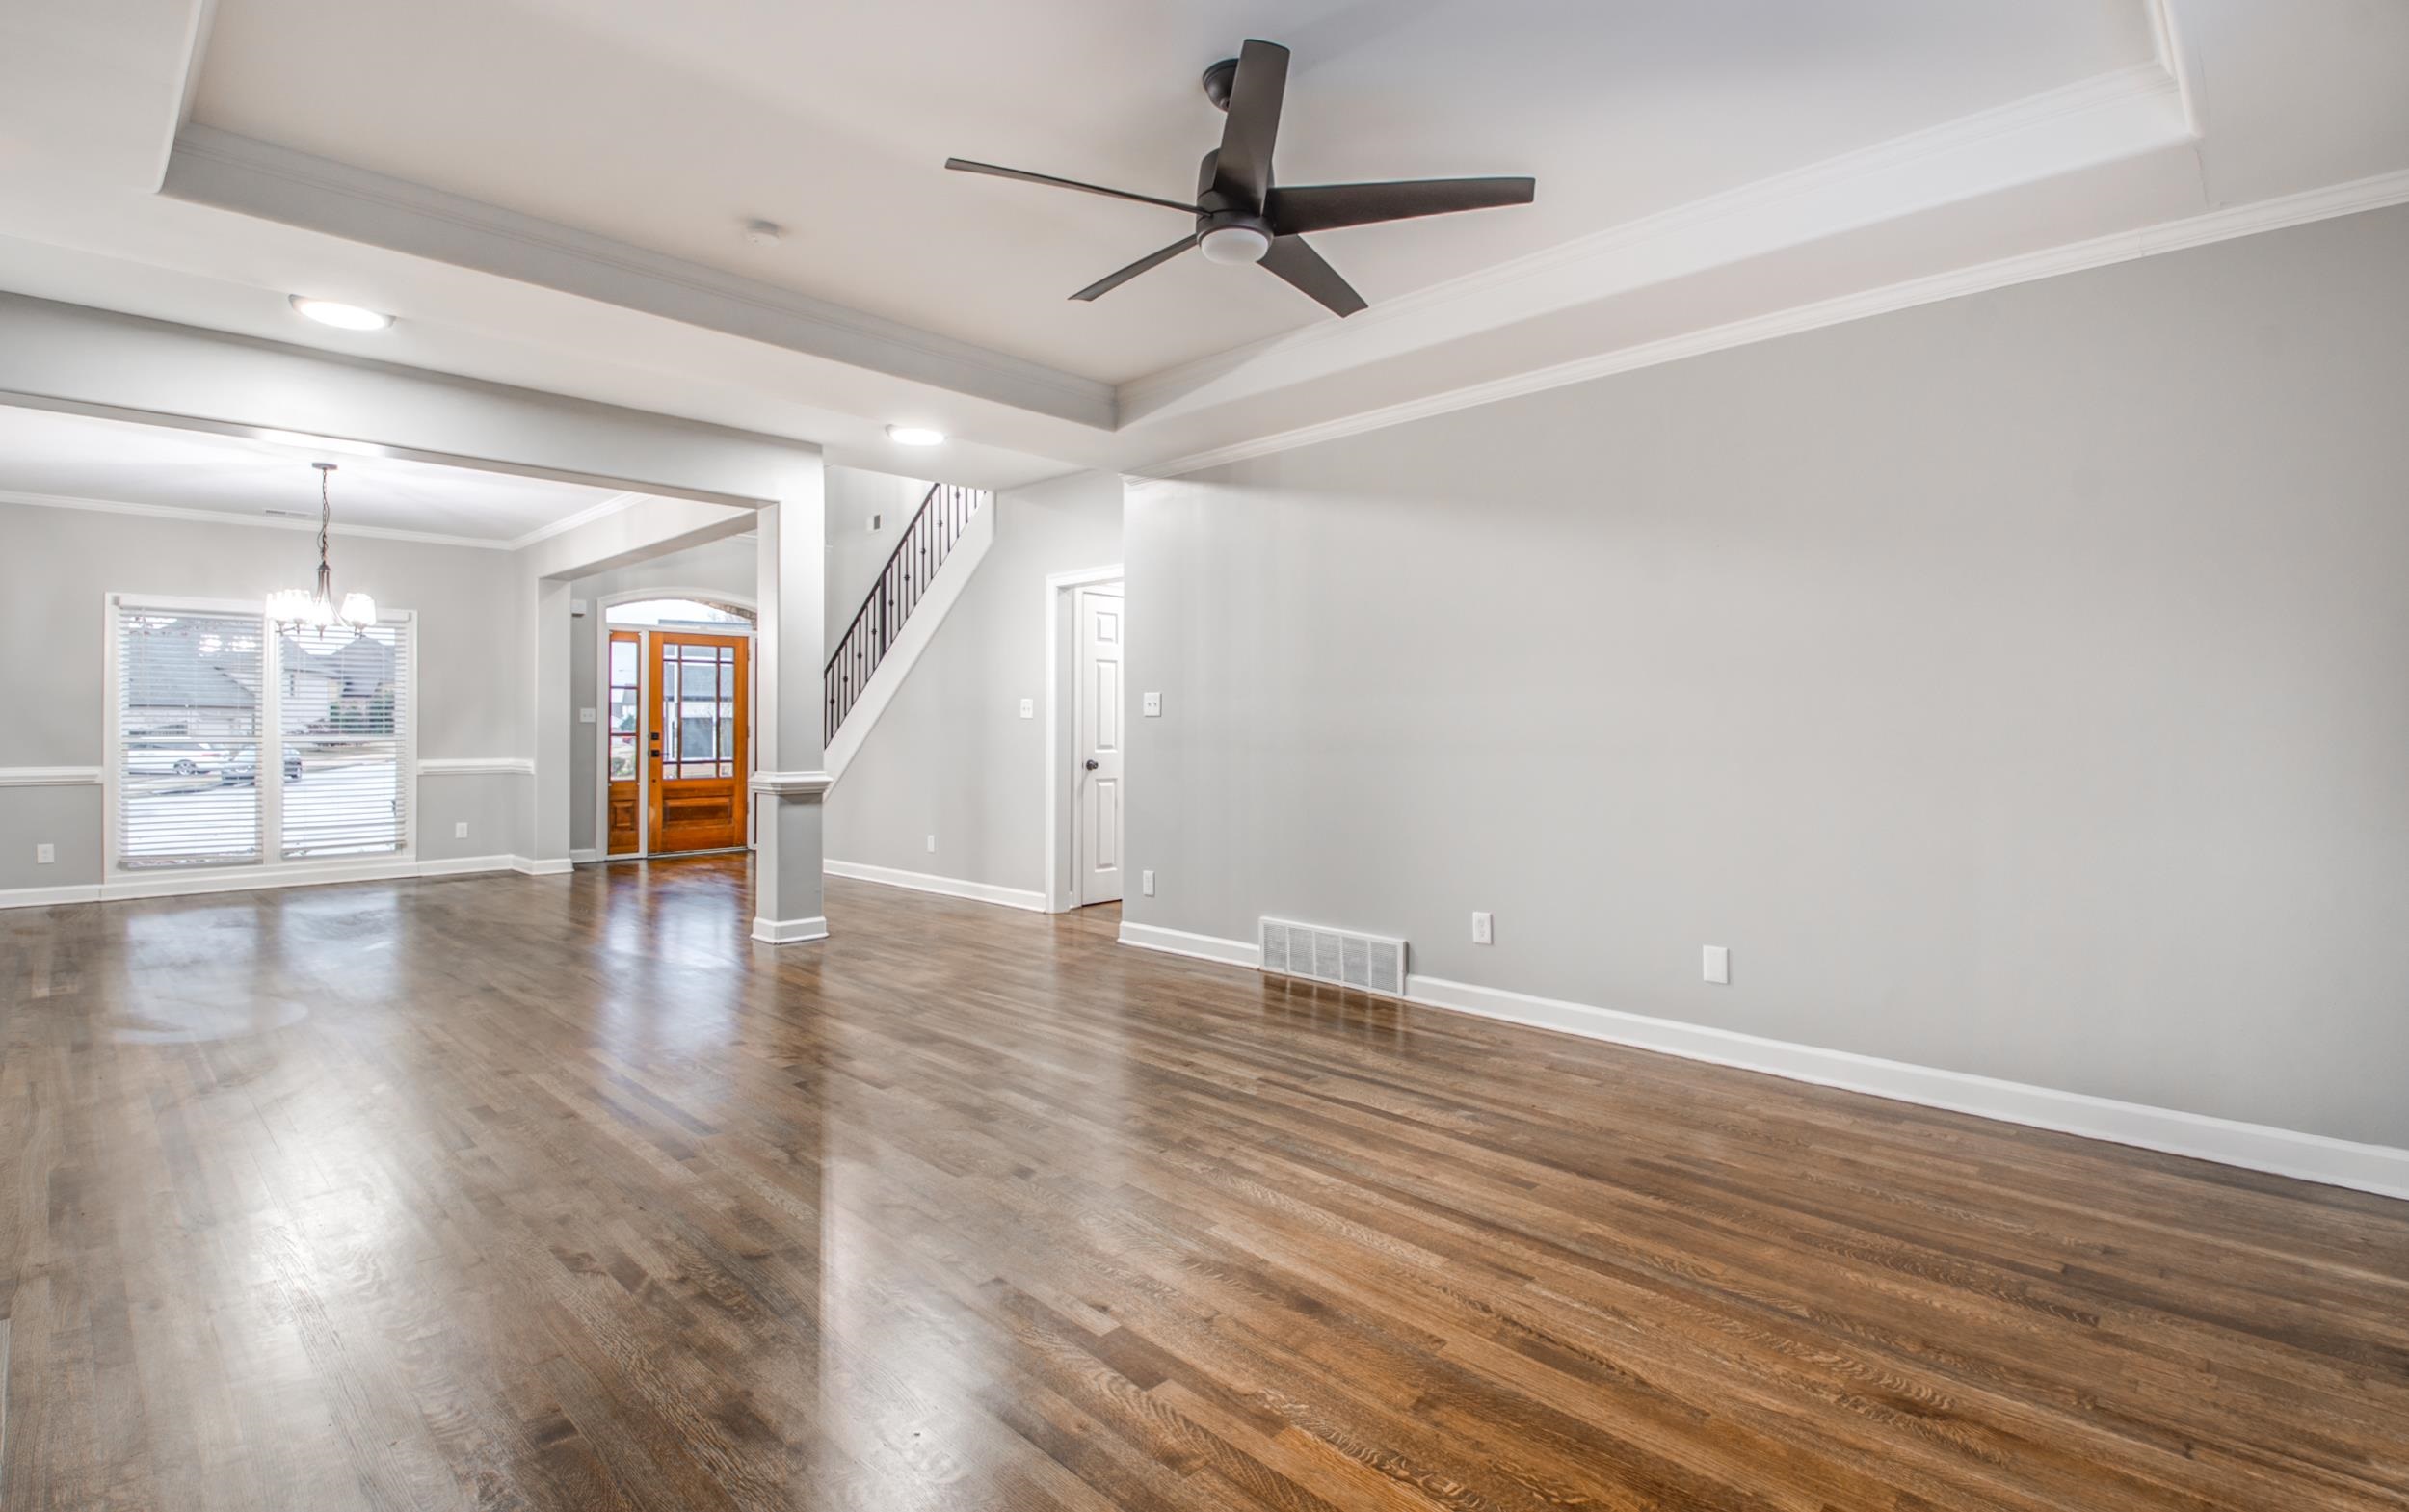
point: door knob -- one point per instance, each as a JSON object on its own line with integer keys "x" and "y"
{"x": 1091, "y": 763}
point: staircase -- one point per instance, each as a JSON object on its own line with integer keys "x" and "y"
{"x": 945, "y": 513}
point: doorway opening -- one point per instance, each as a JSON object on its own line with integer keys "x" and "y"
{"x": 1087, "y": 698}
{"x": 677, "y": 737}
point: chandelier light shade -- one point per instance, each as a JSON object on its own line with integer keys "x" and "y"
{"x": 315, "y": 616}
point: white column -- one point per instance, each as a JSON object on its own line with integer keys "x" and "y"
{"x": 545, "y": 849}
{"x": 788, "y": 784}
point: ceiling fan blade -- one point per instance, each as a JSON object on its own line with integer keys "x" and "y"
{"x": 1301, "y": 265}
{"x": 962, "y": 164}
{"x": 1326, "y": 207}
{"x": 1113, "y": 280}
{"x": 1243, "y": 171}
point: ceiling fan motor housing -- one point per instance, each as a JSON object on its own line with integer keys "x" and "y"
{"x": 1218, "y": 80}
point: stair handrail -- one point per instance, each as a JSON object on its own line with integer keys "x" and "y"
{"x": 922, "y": 548}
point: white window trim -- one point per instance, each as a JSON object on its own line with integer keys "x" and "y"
{"x": 273, "y": 868}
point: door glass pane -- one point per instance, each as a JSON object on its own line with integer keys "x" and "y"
{"x": 700, "y": 681}
{"x": 694, "y": 732}
{"x": 623, "y": 758}
{"x": 623, "y": 712}
{"x": 623, "y": 664}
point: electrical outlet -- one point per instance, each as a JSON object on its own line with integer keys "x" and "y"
{"x": 1482, "y": 933}
{"x": 459, "y": 831}
{"x": 1028, "y": 709}
{"x": 1153, "y": 706}
{"x": 1146, "y": 883}
{"x": 585, "y": 716}
{"x": 932, "y": 843}
{"x": 45, "y": 855}
{"x": 1718, "y": 965}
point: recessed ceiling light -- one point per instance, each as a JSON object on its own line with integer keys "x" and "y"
{"x": 342, "y": 316}
{"x": 914, "y": 436}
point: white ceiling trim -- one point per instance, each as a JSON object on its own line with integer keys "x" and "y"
{"x": 216, "y": 517}
{"x": 2111, "y": 116}
{"x": 229, "y": 172}
{"x": 594, "y": 512}
{"x": 2377, "y": 193}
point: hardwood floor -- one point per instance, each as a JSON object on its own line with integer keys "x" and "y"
{"x": 505, "y": 1192}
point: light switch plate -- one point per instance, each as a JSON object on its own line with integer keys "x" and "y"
{"x": 585, "y": 716}
{"x": 1028, "y": 709}
{"x": 1153, "y": 706}
{"x": 1718, "y": 965}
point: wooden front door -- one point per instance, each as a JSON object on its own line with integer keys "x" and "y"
{"x": 698, "y": 733}
{"x": 628, "y": 707}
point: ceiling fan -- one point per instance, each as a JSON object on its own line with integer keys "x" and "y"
{"x": 1240, "y": 217}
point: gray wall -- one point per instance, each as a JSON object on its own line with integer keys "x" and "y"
{"x": 951, "y": 756}
{"x": 2017, "y": 685}
{"x": 857, "y": 553}
{"x": 56, "y": 565}
{"x": 725, "y": 566}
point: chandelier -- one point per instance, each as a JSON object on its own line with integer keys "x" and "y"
{"x": 315, "y": 616}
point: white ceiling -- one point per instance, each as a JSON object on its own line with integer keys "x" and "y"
{"x": 549, "y": 191}
{"x": 59, "y": 457}
{"x": 667, "y": 127}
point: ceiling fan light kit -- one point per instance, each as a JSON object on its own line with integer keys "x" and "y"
{"x": 1240, "y": 217}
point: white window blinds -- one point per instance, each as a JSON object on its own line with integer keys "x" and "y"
{"x": 344, "y": 718}
{"x": 188, "y": 715}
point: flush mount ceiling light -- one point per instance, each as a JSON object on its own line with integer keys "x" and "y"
{"x": 341, "y": 316}
{"x": 914, "y": 436}
{"x": 315, "y": 619}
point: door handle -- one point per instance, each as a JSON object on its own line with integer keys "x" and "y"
{"x": 1091, "y": 763}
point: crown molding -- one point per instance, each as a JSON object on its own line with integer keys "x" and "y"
{"x": 584, "y": 516}
{"x": 213, "y": 517}
{"x": 2119, "y": 113}
{"x": 2380, "y": 192}
{"x": 229, "y": 172}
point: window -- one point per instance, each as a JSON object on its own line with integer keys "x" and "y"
{"x": 234, "y": 747}
{"x": 678, "y": 613}
{"x": 627, "y": 709}
{"x": 698, "y": 710}
{"x": 341, "y": 717}
{"x": 188, "y": 710}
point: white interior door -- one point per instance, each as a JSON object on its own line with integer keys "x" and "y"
{"x": 1102, "y": 708}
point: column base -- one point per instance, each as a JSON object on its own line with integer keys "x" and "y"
{"x": 789, "y": 931}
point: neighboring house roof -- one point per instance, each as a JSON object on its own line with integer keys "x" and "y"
{"x": 179, "y": 664}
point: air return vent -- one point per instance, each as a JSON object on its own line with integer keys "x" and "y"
{"x": 1374, "y": 963}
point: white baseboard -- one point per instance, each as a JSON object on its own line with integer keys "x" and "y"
{"x": 2381, "y": 1169}
{"x": 1180, "y": 943}
{"x": 585, "y": 856}
{"x": 788, "y": 931}
{"x": 547, "y": 867}
{"x": 250, "y": 879}
{"x": 463, "y": 865}
{"x": 50, "y": 897}
{"x": 948, "y": 887}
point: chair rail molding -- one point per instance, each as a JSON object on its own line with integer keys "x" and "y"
{"x": 475, "y": 766}
{"x": 50, "y": 777}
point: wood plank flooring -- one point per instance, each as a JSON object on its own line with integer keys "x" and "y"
{"x": 510, "y": 1193}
